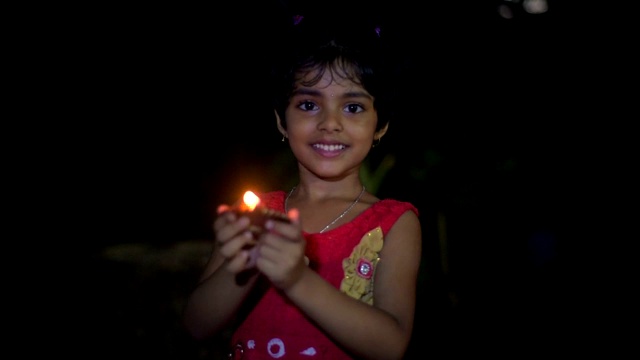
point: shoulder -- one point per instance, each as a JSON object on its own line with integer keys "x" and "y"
{"x": 391, "y": 209}
{"x": 407, "y": 219}
{"x": 403, "y": 236}
{"x": 395, "y": 206}
{"x": 387, "y": 212}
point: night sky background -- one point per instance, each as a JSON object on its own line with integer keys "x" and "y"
{"x": 491, "y": 144}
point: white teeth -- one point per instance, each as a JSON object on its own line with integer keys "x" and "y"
{"x": 329, "y": 147}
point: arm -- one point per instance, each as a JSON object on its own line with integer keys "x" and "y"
{"x": 381, "y": 331}
{"x": 225, "y": 282}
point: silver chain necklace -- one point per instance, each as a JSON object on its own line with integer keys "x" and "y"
{"x": 336, "y": 219}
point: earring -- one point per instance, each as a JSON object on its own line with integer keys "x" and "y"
{"x": 376, "y": 142}
{"x": 284, "y": 137}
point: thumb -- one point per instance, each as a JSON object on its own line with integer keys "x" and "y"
{"x": 294, "y": 216}
{"x": 222, "y": 208}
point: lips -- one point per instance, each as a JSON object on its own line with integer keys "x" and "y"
{"x": 329, "y": 147}
{"x": 329, "y": 150}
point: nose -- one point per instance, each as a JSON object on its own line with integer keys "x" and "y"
{"x": 331, "y": 121}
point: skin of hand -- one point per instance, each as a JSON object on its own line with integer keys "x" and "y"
{"x": 232, "y": 235}
{"x": 281, "y": 251}
{"x": 227, "y": 279}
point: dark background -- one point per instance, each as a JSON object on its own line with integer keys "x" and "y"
{"x": 168, "y": 117}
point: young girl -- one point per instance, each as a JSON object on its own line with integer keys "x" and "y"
{"x": 338, "y": 281}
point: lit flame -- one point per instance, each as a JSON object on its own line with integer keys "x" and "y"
{"x": 251, "y": 200}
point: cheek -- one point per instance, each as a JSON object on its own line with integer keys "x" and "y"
{"x": 364, "y": 131}
{"x": 300, "y": 128}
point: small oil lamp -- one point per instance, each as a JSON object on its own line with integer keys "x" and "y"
{"x": 257, "y": 214}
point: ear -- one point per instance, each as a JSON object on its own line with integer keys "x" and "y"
{"x": 380, "y": 133}
{"x": 282, "y": 130}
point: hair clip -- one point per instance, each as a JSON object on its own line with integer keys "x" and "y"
{"x": 297, "y": 19}
{"x": 377, "y": 30}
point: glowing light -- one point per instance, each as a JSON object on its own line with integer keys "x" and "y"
{"x": 251, "y": 200}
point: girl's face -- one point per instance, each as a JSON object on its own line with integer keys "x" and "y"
{"x": 331, "y": 126}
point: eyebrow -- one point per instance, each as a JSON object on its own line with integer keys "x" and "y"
{"x": 314, "y": 92}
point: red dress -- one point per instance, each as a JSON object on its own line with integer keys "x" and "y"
{"x": 346, "y": 257}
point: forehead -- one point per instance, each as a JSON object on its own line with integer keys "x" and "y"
{"x": 323, "y": 77}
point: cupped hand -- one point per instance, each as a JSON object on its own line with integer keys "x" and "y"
{"x": 233, "y": 239}
{"x": 281, "y": 251}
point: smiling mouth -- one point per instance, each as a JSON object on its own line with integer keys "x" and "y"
{"x": 325, "y": 147}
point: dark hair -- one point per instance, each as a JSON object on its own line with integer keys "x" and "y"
{"x": 352, "y": 50}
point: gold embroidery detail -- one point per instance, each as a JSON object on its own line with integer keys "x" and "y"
{"x": 358, "y": 283}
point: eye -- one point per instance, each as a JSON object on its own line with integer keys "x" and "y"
{"x": 354, "y": 108}
{"x": 307, "y": 106}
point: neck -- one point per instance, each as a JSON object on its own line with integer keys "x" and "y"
{"x": 348, "y": 209}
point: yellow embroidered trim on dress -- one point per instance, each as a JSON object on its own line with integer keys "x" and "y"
{"x": 359, "y": 268}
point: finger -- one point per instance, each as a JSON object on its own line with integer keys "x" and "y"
{"x": 238, "y": 263}
{"x": 223, "y": 219}
{"x": 233, "y": 246}
{"x": 291, "y": 231}
{"x": 282, "y": 268}
{"x": 252, "y": 256}
{"x": 294, "y": 215}
{"x": 228, "y": 227}
{"x": 279, "y": 250}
